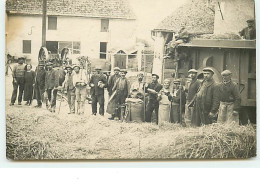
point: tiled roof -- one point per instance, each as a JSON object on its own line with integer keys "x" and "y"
{"x": 85, "y": 8}
{"x": 194, "y": 15}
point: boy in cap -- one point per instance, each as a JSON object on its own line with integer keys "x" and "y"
{"x": 70, "y": 89}
{"x": 98, "y": 82}
{"x": 80, "y": 83}
{"x": 178, "y": 100}
{"x": 18, "y": 81}
{"x": 152, "y": 89}
{"x": 121, "y": 89}
{"x": 192, "y": 90}
{"x": 39, "y": 84}
{"x": 206, "y": 103}
{"x": 229, "y": 97}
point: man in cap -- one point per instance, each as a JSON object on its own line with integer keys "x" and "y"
{"x": 138, "y": 85}
{"x": 192, "y": 90}
{"x": 121, "y": 89}
{"x": 70, "y": 88}
{"x": 112, "y": 80}
{"x": 178, "y": 101}
{"x": 18, "y": 81}
{"x": 80, "y": 82}
{"x": 51, "y": 86}
{"x": 152, "y": 89}
{"x": 39, "y": 84}
{"x": 97, "y": 83}
{"x": 249, "y": 32}
{"x": 229, "y": 97}
{"x": 206, "y": 103}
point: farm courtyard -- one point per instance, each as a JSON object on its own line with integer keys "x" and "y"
{"x": 37, "y": 134}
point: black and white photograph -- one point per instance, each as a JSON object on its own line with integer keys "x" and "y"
{"x": 131, "y": 80}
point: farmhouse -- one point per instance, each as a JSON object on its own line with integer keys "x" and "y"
{"x": 213, "y": 41}
{"x": 90, "y": 28}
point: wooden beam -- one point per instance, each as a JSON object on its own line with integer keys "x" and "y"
{"x": 44, "y": 14}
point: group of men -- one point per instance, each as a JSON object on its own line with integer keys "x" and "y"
{"x": 203, "y": 102}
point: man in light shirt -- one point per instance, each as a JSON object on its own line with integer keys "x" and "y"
{"x": 80, "y": 83}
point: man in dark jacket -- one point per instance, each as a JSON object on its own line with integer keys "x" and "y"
{"x": 206, "y": 103}
{"x": 229, "y": 97}
{"x": 121, "y": 89}
{"x": 97, "y": 83}
{"x": 18, "y": 81}
{"x": 192, "y": 91}
{"x": 249, "y": 32}
{"x": 39, "y": 84}
{"x": 152, "y": 89}
{"x": 112, "y": 80}
{"x": 51, "y": 86}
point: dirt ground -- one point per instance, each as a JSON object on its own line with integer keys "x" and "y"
{"x": 34, "y": 133}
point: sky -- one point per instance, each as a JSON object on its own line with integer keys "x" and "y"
{"x": 151, "y": 12}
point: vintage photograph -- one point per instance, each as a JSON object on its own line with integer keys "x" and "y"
{"x": 130, "y": 79}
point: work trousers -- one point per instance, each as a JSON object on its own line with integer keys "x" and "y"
{"x": 81, "y": 94}
{"x": 175, "y": 113}
{"x": 188, "y": 114}
{"x": 225, "y": 113}
{"x": 151, "y": 106}
{"x": 52, "y": 96}
{"x": 20, "y": 84}
{"x": 39, "y": 93}
{"x": 71, "y": 99}
{"x": 98, "y": 99}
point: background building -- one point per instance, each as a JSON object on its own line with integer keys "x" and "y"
{"x": 87, "y": 27}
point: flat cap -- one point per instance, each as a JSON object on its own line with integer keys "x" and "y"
{"x": 140, "y": 74}
{"x": 124, "y": 71}
{"x": 68, "y": 66}
{"x": 98, "y": 68}
{"x": 155, "y": 75}
{"x": 192, "y": 71}
{"x": 116, "y": 69}
{"x": 76, "y": 65}
{"x": 21, "y": 58}
{"x": 207, "y": 69}
{"x": 226, "y": 73}
{"x": 250, "y": 20}
{"x": 49, "y": 64}
{"x": 177, "y": 81}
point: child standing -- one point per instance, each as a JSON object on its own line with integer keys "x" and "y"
{"x": 164, "y": 103}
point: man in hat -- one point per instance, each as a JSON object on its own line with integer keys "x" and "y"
{"x": 121, "y": 89}
{"x": 97, "y": 83}
{"x": 18, "y": 81}
{"x": 51, "y": 86}
{"x": 178, "y": 101}
{"x": 249, "y": 32}
{"x": 192, "y": 91}
{"x": 206, "y": 103}
{"x": 80, "y": 82}
{"x": 112, "y": 80}
{"x": 39, "y": 84}
{"x": 152, "y": 89}
{"x": 229, "y": 97}
{"x": 70, "y": 89}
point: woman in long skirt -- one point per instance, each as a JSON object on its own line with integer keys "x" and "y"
{"x": 29, "y": 80}
{"x": 164, "y": 103}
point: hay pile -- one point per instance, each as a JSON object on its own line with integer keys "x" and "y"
{"x": 44, "y": 135}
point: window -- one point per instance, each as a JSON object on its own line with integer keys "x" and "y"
{"x": 27, "y": 46}
{"x": 52, "y": 23}
{"x": 74, "y": 47}
{"x": 104, "y": 25}
{"x": 52, "y": 46}
{"x": 103, "y": 50}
